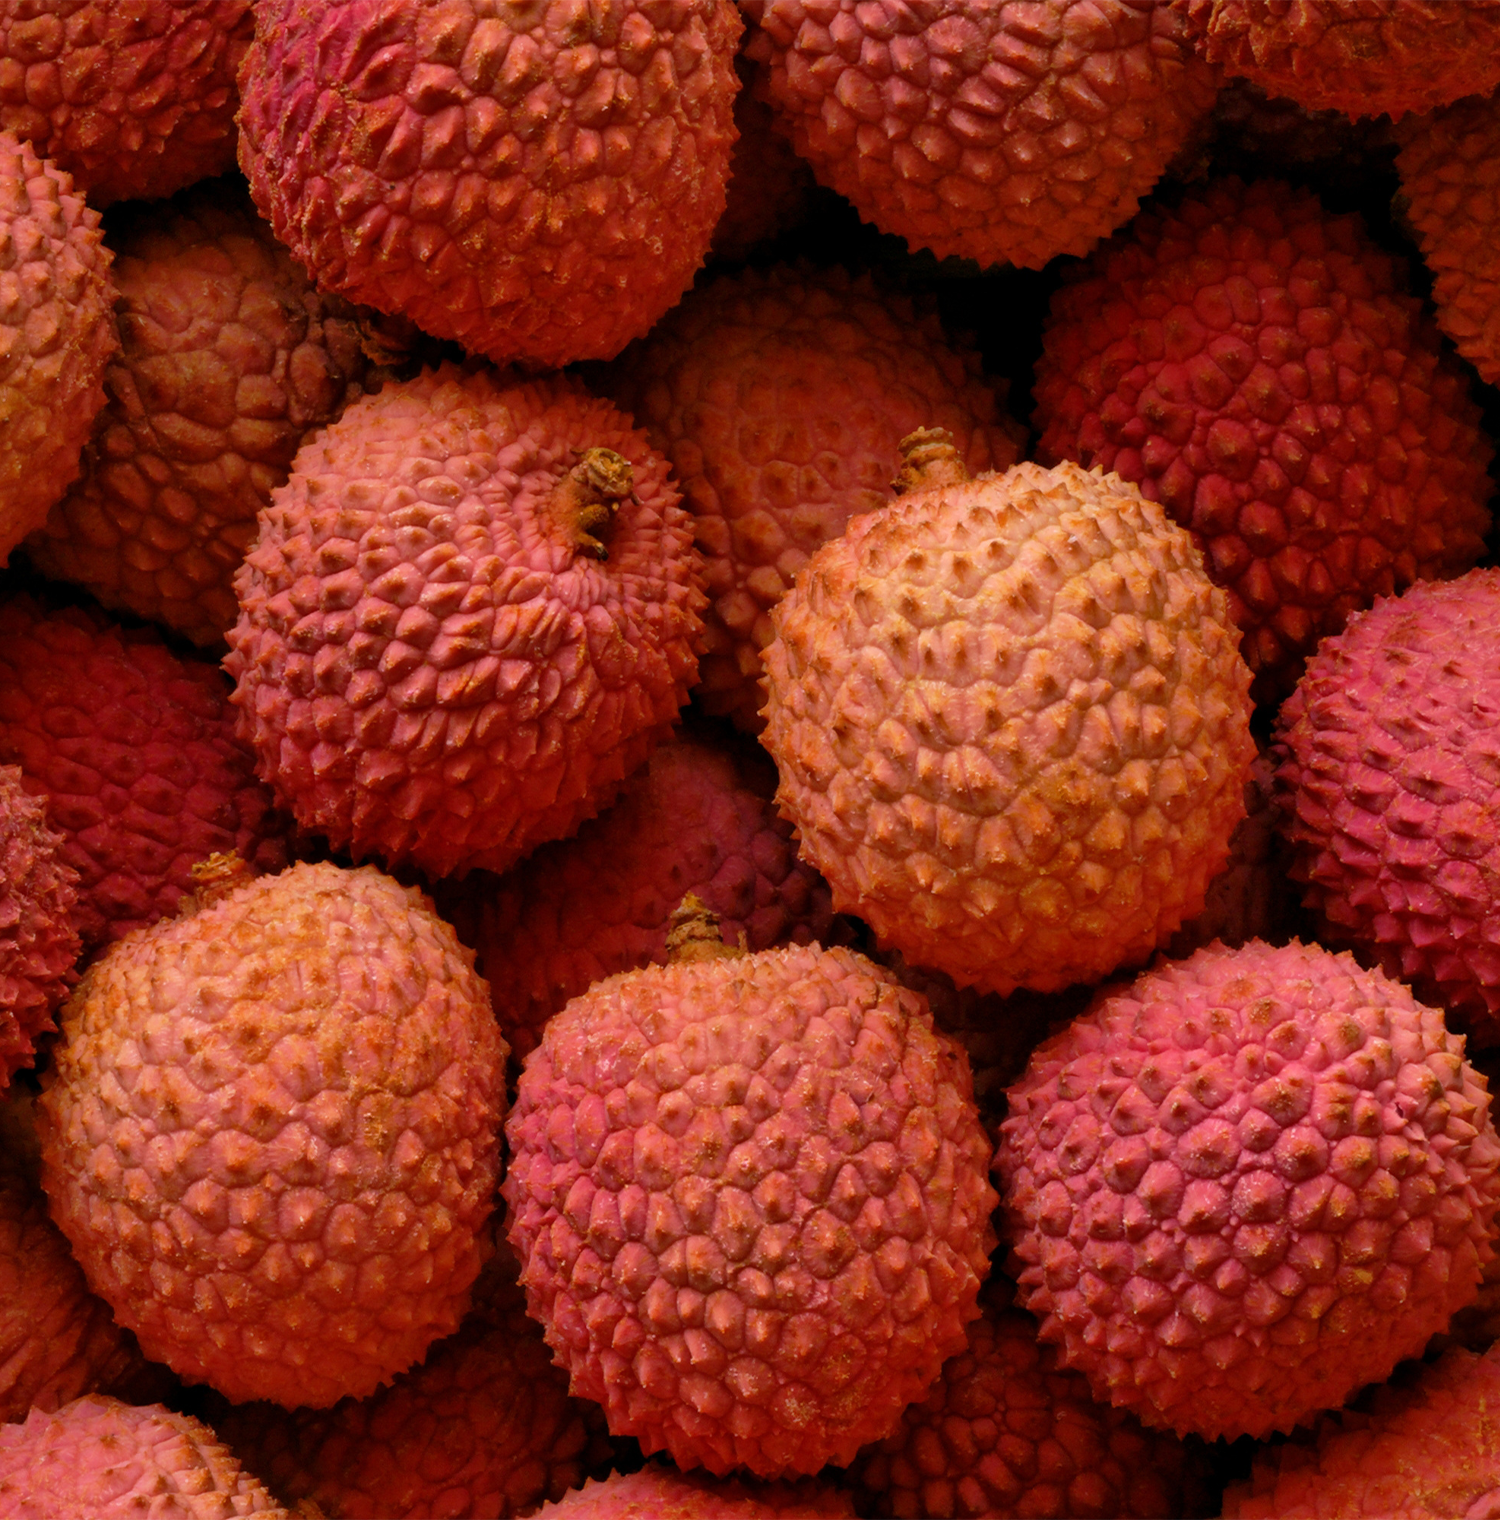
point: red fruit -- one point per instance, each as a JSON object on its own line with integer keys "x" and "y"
{"x": 659, "y": 1493}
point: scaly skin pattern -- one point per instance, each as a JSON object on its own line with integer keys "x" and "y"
{"x": 1257, "y": 365}
{"x": 1010, "y": 131}
{"x": 538, "y": 182}
{"x": 1449, "y": 165}
{"x": 1248, "y": 1184}
{"x": 271, "y": 1134}
{"x": 1387, "y": 784}
{"x": 781, "y": 397}
{"x": 659, "y": 1493}
{"x": 229, "y": 359}
{"x": 56, "y": 335}
{"x": 113, "y": 1461}
{"x": 1424, "y": 1450}
{"x": 427, "y": 665}
{"x": 134, "y": 101}
{"x": 750, "y": 1199}
{"x": 1012, "y": 725}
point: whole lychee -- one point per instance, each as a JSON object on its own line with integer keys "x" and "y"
{"x": 749, "y": 1196}
{"x": 270, "y": 1132}
{"x": 1257, "y": 365}
{"x": 1012, "y": 724}
{"x": 469, "y": 615}
{"x": 537, "y": 182}
{"x": 1247, "y": 1184}
{"x": 657, "y": 1492}
{"x": 1388, "y": 784}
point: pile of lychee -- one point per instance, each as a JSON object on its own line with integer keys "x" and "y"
{"x": 749, "y": 757}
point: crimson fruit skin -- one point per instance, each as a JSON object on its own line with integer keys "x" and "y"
{"x": 56, "y": 334}
{"x": 781, "y": 397}
{"x": 1257, "y": 365}
{"x": 426, "y": 666}
{"x": 135, "y": 102}
{"x": 1427, "y": 1447}
{"x": 750, "y": 1199}
{"x": 1003, "y": 132}
{"x": 658, "y": 1492}
{"x": 538, "y": 185}
{"x": 270, "y": 1133}
{"x": 133, "y": 748}
{"x": 1388, "y": 774}
{"x": 1012, "y": 725}
{"x": 1247, "y": 1184}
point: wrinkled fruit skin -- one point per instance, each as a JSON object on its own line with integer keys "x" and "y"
{"x": 658, "y": 1492}
{"x": 1257, "y": 366}
{"x": 427, "y": 667}
{"x": 781, "y": 397}
{"x": 1012, "y": 725}
{"x": 1387, "y": 786}
{"x": 1004, "y": 132}
{"x": 134, "y": 101}
{"x": 270, "y": 1133}
{"x": 1246, "y": 1185}
{"x": 229, "y": 359}
{"x": 538, "y": 185}
{"x": 56, "y": 335}
{"x": 750, "y": 1201}
{"x": 133, "y": 748}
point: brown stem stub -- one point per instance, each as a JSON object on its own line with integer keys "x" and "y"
{"x": 587, "y": 497}
{"x": 694, "y": 934}
{"x": 215, "y": 878}
{"x": 929, "y": 457}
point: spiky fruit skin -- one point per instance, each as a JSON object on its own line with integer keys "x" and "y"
{"x": 427, "y": 666}
{"x": 697, "y": 817}
{"x": 1248, "y": 1184}
{"x": 1361, "y": 57}
{"x": 1012, "y": 725}
{"x": 229, "y": 359}
{"x": 133, "y": 101}
{"x": 1387, "y": 784}
{"x": 1428, "y": 1448}
{"x": 56, "y": 335}
{"x": 271, "y": 1134}
{"x": 659, "y": 1493}
{"x": 1256, "y": 365}
{"x": 750, "y": 1201}
{"x": 115, "y": 1461}
{"x": 133, "y": 748}
{"x": 1452, "y": 201}
{"x": 536, "y": 187}
{"x": 781, "y": 397}
{"x": 1007, "y": 132}
{"x": 39, "y": 942}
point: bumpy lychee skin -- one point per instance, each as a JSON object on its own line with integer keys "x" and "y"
{"x": 271, "y": 1134}
{"x": 114, "y": 1461}
{"x": 750, "y": 1200}
{"x": 1247, "y": 1184}
{"x": 535, "y": 182}
{"x": 134, "y": 101}
{"x": 470, "y": 614}
{"x": 133, "y": 749}
{"x": 1388, "y": 783}
{"x": 781, "y": 397}
{"x": 1006, "y": 132}
{"x": 657, "y": 1492}
{"x": 1427, "y": 1448}
{"x": 1012, "y": 725}
{"x": 1257, "y": 366}
{"x": 56, "y": 334}
{"x": 229, "y": 359}
{"x": 1451, "y": 198}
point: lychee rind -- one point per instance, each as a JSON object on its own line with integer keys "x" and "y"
{"x": 750, "y": 1203}
{"x": 270, "y": 1132}
{"x": 537, "y": 183}
{"x": 1258, "y": 366}
{"x": 1012, "y": 725}
{"x": 1387, "y": 786}
{"x": 428, "y": 665}
{"x": 1247, "y": 1184}
{"x": 657, "y": 1492}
